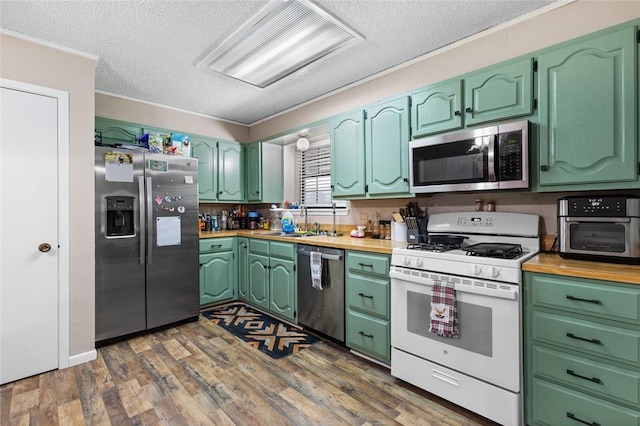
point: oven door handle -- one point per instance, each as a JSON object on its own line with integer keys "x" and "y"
{"x": 577, "y": 220}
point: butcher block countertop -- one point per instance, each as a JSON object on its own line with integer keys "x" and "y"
{"x": 343, "y": 242}
{"x": 554, "y": 264}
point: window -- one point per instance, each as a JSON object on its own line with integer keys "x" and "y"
{"x": 314, "y": 175}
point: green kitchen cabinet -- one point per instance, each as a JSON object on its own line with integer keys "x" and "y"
{"x": 368, "y": 304}
{"x": 370, "y": 151}
{"x": 207, "y": 154}
{"x": 437, "y": 108}
{"x": 111, "y": 132}
{"x": 582, "y": 350}
{"x": 272, "y": 277}
{"x": 263, "y": 172}
{"x": 347, "y": 155}
{"x": 230, "y": 178}
{"x": 259, "y": 280}
{"x": 588, "y": 113}
{"x": 387, "y": 148}
{"x": 217, "y": 270}
{"x": 494, "y": 93}
{"x": 243, "y": 268}
{"x": 220, "y": 169}
{"x": 499, "y": 92}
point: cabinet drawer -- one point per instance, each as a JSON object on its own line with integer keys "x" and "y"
{"x": 589, "y": 297}
{"x": 370, "y": 295}
{"x": 369, "y": 263}
{"x": 282, "y": 250}
{"x": 257, "y": 246}
{"x": 557, "y": 406}
{"x": 369, "y": 335}
{"x": 216, "y": 244}
{"x": 588, "y": 337}
{"x": 606, "y": 380}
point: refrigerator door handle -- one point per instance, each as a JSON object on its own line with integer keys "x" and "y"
{"x": 149, "y": 220}
{"x": 143, "y": 222}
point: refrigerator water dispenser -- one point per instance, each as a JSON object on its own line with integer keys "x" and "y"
{"x": 120, "y": 217}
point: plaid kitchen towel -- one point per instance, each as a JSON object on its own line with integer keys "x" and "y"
{"x": 444, "y": 310}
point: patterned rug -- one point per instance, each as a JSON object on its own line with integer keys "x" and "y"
{"x": 267, "y": 334}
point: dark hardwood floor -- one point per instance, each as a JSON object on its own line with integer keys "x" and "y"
{"x": 199, "y": 374}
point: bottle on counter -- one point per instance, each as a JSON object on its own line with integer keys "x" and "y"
{"x": 223, "y": 221}
{"x": 368, "y": 230}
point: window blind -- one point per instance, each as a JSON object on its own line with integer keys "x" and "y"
{"x": 314, "y": 178}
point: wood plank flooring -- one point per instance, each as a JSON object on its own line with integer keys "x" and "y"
{"x": 199, "y": 374}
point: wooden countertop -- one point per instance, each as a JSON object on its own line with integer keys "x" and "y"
{"x": 344, "y": 242}
{"x": 554, "y": 264}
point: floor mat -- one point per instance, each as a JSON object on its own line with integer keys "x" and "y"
{"x": 261, "y": 331}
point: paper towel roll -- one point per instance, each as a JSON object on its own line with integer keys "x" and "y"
{"x": 399, "y": 231}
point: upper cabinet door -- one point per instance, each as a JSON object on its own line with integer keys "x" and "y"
{"x": 437, "y": 109}
{"x": 253, "y": 168}
{"x": 387, "y": 147}
{"x": 205, "y": 151}
{"x": 347, "y": 155}
{"x": 230, "y": 182}
{"x": 588, "y": 116}
{"x": 499, "y": 92}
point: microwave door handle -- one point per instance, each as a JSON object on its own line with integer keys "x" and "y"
{"x": 491, "y": 158}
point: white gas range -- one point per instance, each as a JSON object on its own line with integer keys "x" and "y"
{"x": 481, "y": 254}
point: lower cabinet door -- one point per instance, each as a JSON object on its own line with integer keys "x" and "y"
{"x": 259, "y": 280}
{"x": 283, "y": 289}
{"x": 368, "y": 335}
{"x": 558, "y": 406}
{"x": 216, "y": 277}
{"x": 243, "y": 268}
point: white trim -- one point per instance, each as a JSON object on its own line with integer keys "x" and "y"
{"x": 63, "y": 208}
{"x": 102, "y": 92}
{"x": 83, "y": 357}
{"x": 50, "y": 44}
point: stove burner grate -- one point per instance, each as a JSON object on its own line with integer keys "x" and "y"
{"x": 495, "y": 250}
{"x": 434, "y": 247}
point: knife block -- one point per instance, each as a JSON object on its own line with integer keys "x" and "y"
{"x": 416, "y": 229}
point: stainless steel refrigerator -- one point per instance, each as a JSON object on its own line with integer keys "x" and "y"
{"x": 147, "y": 268}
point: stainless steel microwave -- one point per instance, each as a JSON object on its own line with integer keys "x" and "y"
{"x": 494, "y": 157}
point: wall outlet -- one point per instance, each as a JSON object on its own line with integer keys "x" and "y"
{"x": 364, "y": 218}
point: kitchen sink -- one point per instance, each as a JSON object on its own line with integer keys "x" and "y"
{"x": 294, "y": 235}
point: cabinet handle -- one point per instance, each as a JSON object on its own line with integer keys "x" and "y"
{"x": 456, "y": 113}
{"x": 468, "y": 110}
{"x": 365, "y": 265}
{"x": 596, "y": 301}
{"x": 584, "y": 422}
{"x": 362, "y": 333}
{"x": 365, "y": 295}
{"x": 591, "y": 379}
{"x": 595, "y": 341}
{"x": 214, "y": 246}
{"x": 544, "y": 168}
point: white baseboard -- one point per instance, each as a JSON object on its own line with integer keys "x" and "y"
{"x": 83, "y": 357}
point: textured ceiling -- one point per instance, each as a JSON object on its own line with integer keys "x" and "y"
{"x": 148, "y": 49}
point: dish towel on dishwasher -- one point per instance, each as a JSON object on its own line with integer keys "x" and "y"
{"x": 444, "y": 310}
{"x": 316, "y": 270}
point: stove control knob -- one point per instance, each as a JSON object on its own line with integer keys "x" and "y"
{"x": 476, "y": 269}
{"x": 407, "y": 261}
{"x": 494, "y": 272}
{"x": 419, "y": 263}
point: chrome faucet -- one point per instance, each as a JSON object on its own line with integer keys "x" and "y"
{"x": 306, "y": 218}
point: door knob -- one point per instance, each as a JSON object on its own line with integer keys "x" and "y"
{"x": 44, "y": 247}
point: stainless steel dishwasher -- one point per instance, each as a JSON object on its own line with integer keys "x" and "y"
{"x": 322, "y": 310}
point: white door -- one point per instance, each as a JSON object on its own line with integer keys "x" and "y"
{"x": 29, "y": 252}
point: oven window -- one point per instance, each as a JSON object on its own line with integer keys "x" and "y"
{"x": 475, "y": 323}
{"x": 598, "y": 236}
{"x": 456, "y": 162}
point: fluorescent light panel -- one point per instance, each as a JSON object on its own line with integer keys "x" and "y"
{"x": 282, "y": 38}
